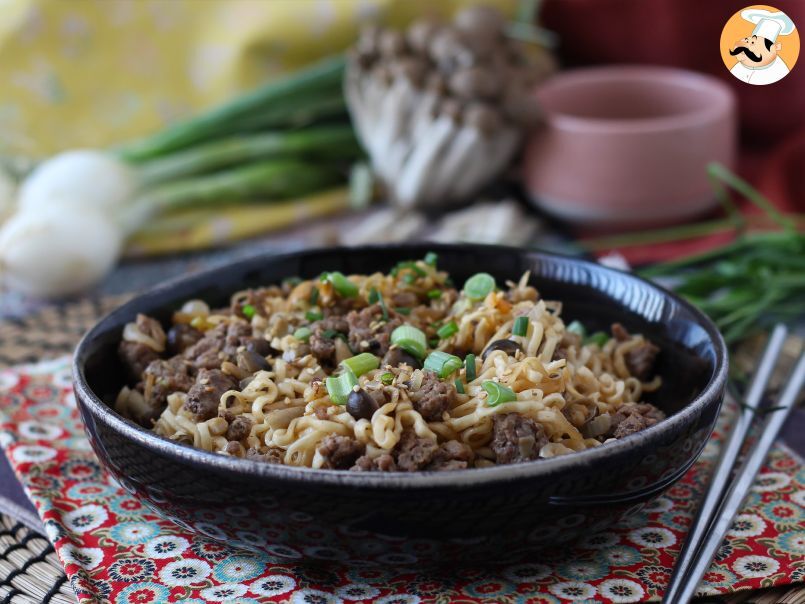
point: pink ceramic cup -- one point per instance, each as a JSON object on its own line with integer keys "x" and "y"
{"x": 628, "y": 146}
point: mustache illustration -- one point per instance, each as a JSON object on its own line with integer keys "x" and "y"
{"x": 752, "y": 56}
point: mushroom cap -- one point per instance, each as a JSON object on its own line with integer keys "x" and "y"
{"x": 420, "y": 34}
{"x": 475, "y": 83}
{"x": 391, "y": 44}
{"x": 411, "y": 68}
{"x": 449, "y": 51}
{"x": 481, "y": 22}
{"x": 484, "y": 117}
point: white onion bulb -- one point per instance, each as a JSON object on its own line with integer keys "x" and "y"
{"x": 57, "y": 252}
{"x": 82, "y": 178}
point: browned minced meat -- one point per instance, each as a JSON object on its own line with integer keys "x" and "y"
{"x": 414, "y": 453}
{"x": 516, "y": 438}
{"x": 322, "y": 344}
{"x": 272, "y": 455}
{"x": 633, "y": 417}
{"x": 340, "y": 452}
{"x": 256, "y": 298}
{"x": 205, "y": 395}
{"x": 181, "y": 337}
{"x": 434, "y": 397}
{"x": 381, "y": 463}
{"x": 135, "y": 357}
{"x": 169, "y": 376}
{"x": 640, "y": 359}
{"x": 404, "y": 300}
{"x": 569, "y": 339}
{"x": 220, "y": 344}
{"x": 452, "y": 455}
{"x": 239, "y": 428}
{"x": 369, "y": 332}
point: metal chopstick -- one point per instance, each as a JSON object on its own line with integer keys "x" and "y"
{"x": 744, "y": 480}
{"x": 726, "y": 463}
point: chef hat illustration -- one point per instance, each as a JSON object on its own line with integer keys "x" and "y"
{"x": 769, "y": 25}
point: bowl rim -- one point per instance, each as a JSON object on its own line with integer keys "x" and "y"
{"x": 101, "y": 412}
{"x": 722, "y": 97}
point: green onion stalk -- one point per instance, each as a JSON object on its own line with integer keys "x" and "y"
{"x": 749, "y": 284}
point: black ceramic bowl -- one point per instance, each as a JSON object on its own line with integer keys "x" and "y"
{"x": 401, "y": 518}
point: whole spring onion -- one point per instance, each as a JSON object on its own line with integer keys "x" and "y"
{"x": 410, "y": 339}
{"x": 469, "y": 367}
{"x": 442, "y": 363}
{"x": 280, "y": 96}
{"x": 343, "y": 286}
{"x": 361, "y": 363}
{"x": 447, "y": 330}
{"x": 498, "y": 393}
{"x": 478, "y": 286}
{"x": 339, "y": 387}
{"x": 520, "y": 327}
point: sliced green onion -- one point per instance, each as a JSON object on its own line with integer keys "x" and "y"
{"x": 343, "y": 286}
{"x": 339, "y": 387}
{"x": 459, "y": 386}
{"x": 447, "y": 330}
{"x": 314, "y": 314}
{"x": 442, "y": 363}
{"x": 469, "y": 366}
{"x": 498, "y": 393}
{"x": 330, "y": 334}
{"x": 409, "y": 278}
{"x": 410, "y": 339}
{"x": 387, "y": 378}
{"x": 576, "y": 327}
{"x": 374, "y": 296}
{"x": 433, "y": 342}
{"x": 431, "y": 258}
{"x": 520, "y": 326}
{"x": 303, "y": 333}
{"x": 407, "y": 264}
{"x": 478, "y": 286}
{"x": 403, "y": 310}
{"x": 314, "y": 296}
{"x": 434, "y": 294}
{"x": 248, "y": 311}
{"x": 361, "y": 363}
{"x": 599, "y": 337}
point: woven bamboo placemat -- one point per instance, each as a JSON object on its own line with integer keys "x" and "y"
{"x": 30, "y": 571}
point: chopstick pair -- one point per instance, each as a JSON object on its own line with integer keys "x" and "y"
{"x": 728, "y": 490}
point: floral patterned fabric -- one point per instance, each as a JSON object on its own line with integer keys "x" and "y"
{"x": 114, "y": 550}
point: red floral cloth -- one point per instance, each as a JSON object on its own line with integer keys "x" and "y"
{"x": 114, "y": 550}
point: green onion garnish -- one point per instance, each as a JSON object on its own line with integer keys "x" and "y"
{"x": 314, "y": 314}
{"x": 403, "y": 310}
{"x": 433, "y": 342}
{"x": 409, "y": 278}
{"x": 599, "y": 337}
{"x": 330, "y": 334}
{"x": 410, "y": 339}
{"x": 303, "y": 333}
{"x": 248, "y": 311}
{"x": 339, "y": 387}
{"x": 374, "y": 296}
{"x": 520, "y": 326}
{"x": 459, "y": 386}
{"x": 576, "y": 327}
{"x": 407, "y": 264}
{"x": 361, "y": 363}
{"x": 291, "y": 281}
{"x": 447, "y": 330}
{"x": 498, "y": 393}
{"x": 314, "y": 296}
{"x": 478, "y": 286}
{"x": 342, "y": 285}
{"x": 442, "y": 363}
{"x": 387, "y": 378}
{"x": 469, "y": 366}
{"x": 434, "y": 294}
{"x": 431, "y": 258}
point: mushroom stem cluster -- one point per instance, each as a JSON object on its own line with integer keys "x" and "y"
{"x": 442, "y": 107}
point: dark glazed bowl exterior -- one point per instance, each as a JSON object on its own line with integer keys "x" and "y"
{"x": 416, "y": 518}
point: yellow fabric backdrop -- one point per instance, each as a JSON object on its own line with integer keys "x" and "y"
{"x": 89, "y": 73}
